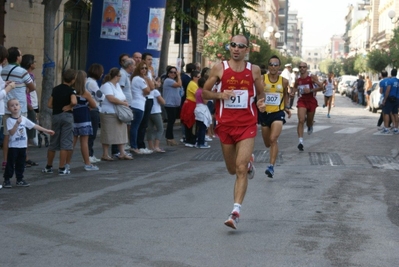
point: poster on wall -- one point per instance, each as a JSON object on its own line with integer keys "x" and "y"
{"x": 115, "y": 20}
{"x": 155, "y": 28}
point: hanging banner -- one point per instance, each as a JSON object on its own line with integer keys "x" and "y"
{"x": 155, "y": 28}
{"x": 115, "y": 20}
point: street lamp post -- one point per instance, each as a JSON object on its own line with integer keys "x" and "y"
{"x": 391, "y": 15}
{"x": 268, "y": 35}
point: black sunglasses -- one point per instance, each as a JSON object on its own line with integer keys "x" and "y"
{"x": 240, "y": 45}
{"x": 271, "y": 64}
{"x": 303, "y": 67}
{"x": 172, "y": 71}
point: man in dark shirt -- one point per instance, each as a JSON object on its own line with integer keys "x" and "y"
{"x": 62, "y": 101}
{"x": 360, "y": 90}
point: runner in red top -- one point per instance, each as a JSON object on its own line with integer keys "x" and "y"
{"x": 306, "y": 85}
{"x": 236, "y": 115}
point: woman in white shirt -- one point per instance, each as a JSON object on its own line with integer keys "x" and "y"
{"x": 140, "y": 90}
{"x": 113, "y": 131}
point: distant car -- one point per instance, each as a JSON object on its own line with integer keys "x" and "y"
{"x": 375, "y": 97}
{"x": 342, "y": 85}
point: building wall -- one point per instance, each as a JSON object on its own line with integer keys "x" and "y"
{"x": 23, "y": 27}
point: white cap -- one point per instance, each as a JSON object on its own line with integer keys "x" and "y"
{"x": 288, "y": 65}
{"x": 295, "y": 69}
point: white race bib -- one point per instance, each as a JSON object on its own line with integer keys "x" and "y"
{"x": 272, "y": 99}
{"x": 239, "y": 101}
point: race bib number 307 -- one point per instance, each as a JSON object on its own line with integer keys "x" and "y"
{"x": 272, "y": 99}
{"x": 239, "y": 101}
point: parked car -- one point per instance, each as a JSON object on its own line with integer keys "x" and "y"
{"x": 350, "y": 88}
{"x": 342, "y": 85}
{"x": 375, "y": 97}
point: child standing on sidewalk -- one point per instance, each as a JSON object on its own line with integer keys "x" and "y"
{"x": 18, "y": 143}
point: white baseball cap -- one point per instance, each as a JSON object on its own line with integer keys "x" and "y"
{"x": 288, "y": 65}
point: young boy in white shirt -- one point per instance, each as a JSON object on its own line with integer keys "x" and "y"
{"x": 18, "y": 142}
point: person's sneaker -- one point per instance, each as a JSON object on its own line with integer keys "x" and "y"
{"x": 310, "y": 130}
{"x": 47, "y": 170}
{"x": 395, "y": 131}
{"x": 91, "y": 167}
{"x": 65, "y": 171}
{"x": 203, "y": 146}
{"x": 380, "y": 128}
{"x": 22, "y": 183}
{"x": 328, "y": 116}
{"x": 7, "y": 184}
{"x": 145, "y": 151}
{"x": 149, "y": 151}
{"x": 300, "y": 147}
{"x": 385, "y": 131}
{"x": 270, "y": 171}
{"x": 251, "y": 167}
{"x": 92, "y": 159}
{"x": 208, "y": 139}
{"x": 127, "y": 147}
{"x": 189, "y": 145}
{"x": 232, "y": 221}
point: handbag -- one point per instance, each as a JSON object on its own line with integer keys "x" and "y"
{"x": 123, "y": 113}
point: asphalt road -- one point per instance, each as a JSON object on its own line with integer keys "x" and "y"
{"x": 335, "y": 204}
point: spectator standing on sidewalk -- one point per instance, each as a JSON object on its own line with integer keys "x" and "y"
{"x": 390, "y": 103}
{"x": 23, "y": 81}
{"x": 62, "y": 101}
{"x": 360, "y": 90}
{"x": 94, "y": 74}
{"x": 18, "y": 143}
{"x": 367, "y": 91}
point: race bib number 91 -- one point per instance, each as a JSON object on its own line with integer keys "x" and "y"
{"x": 239, "y": 101}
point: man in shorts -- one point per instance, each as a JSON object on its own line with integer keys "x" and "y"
{"x": 277, "y": 101}
{"x": 390, "y": 103}
{"x": 306, "y": 85}
{"x": 62, "y": 101}
{"x": 236, "y": 115}
{"x": 24, "y": 83}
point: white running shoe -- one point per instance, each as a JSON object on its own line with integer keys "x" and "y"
{"x": 208, "y": 139}
{"x": 232, "y": 221}
{"x": 92, "y": 160}
{"x": 251, "y": 167}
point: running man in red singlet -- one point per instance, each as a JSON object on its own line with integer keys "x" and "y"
{"x": 236, "y": 115}
{"x": 306, "y": 85}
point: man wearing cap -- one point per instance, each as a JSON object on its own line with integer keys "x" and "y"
{"x": 294, "y": 76}
{"x": 287, "y": 75}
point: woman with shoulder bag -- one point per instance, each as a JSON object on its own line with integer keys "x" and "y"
{"x": 113, "y": 131}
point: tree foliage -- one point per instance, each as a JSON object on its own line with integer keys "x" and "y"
{"x": 360, "y": 64}
{"x": 394, "y": 48}
{"x": 378, "y": 60}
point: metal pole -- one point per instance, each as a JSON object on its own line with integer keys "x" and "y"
{"x": 181, "y": 31}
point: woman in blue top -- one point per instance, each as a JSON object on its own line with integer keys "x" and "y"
{"x": 172, "y": 93}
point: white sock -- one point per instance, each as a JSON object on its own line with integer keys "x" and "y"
{"x": 237, "y": 207}
{"x": 301, "y": 140}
